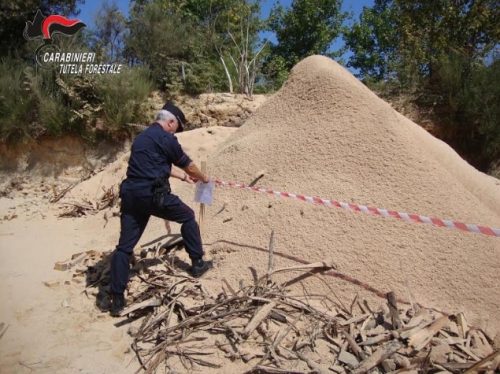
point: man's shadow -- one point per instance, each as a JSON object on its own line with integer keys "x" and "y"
{"x": 153, "y": 253}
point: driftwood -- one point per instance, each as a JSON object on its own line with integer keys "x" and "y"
{"x": 144, "y": 304}
{"x": 259, "y": 316}
{"x": 273, "y": 331}
{"x": 76, "y": 259}
{"x": 480, "y": 366}
{"x": 271, "y": 370}
{"x": 354, "y": 346}
{"x": 378, "y": 356}
{"x": 109, "y": 198}
{"x": 393, "y": 308}
{"x": 270, "y": 265}
{"x": 61, "y": 194}
{"x": 423, "y": 337}
{"x": 3, "y": 328}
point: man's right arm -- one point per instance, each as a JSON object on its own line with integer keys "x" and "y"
{"x": 182, "y": 160}
{"x": 195, "y": 173}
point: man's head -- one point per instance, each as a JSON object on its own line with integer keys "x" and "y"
{"x": 168, "y": 121}
{"x": 171, "y": 118}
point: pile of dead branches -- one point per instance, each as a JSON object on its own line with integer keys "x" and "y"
{"x": 243, "y": 322}
{"x": 267, "y": 328}
{"x": 109, "y": 198}
{"x": 275, "y": 332}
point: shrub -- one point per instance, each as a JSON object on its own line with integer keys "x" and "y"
{"x": 53, "y": 111}
{"x": 472, "y": 90}
{"x": 121, "y": 96}
{"x": 17, "y": 106}
{"x": 36, "y": 102}
{"x": 487, "y": 86}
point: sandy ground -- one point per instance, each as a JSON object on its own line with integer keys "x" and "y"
{"x": 58, "y": 329}
{"x": 323, "y": 134}
{"x": 43, "y": 335}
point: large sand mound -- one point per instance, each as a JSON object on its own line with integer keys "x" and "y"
{"x": 325, "y": 134}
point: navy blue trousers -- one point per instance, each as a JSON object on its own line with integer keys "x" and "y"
{"x": 135, "y": 214}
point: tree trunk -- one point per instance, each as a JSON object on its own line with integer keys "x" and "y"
{"x": 227, "y": 74}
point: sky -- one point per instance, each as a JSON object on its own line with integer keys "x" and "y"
{"x": 356, "y": 6}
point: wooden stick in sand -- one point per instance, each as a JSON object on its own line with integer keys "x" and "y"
{"x": 202, "y": 206}
{"x": 270, "y": 265}
{"x": 393, "y": 308}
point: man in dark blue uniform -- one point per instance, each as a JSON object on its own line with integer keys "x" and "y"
{"x": 146, "y": 192}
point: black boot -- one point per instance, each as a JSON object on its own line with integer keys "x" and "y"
{"x": 200, "y": 267}
{"x": 118, "y": 304}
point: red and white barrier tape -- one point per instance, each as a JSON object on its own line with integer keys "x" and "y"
{"x": 491, "y": 231}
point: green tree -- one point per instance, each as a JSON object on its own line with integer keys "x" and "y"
{"x": 373, "y": 41}
{"x": 236, "y": 40}
{"x": 308, "y": 27}
{"x": 471, "y": 104}
{"x": 110, "y": 28}
{"x": 408, "y": 38}
{"x": 160, "y": 40}
{"x": 230, "y": 29}
{"x": 186, "y": 43}
{"x": 487, "y": 98}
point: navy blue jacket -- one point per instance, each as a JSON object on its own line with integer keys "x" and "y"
{"x": 153, "y": 152}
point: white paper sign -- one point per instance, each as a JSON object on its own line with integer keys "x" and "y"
{"x": 204, "y": 192}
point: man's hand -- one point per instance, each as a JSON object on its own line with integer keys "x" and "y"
{"x": 190, "y": 180}
{"x": 196, "y": 174}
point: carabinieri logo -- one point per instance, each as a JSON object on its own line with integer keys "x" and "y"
{"x": 46, "y": 27}
{"x": 48, "y": 55}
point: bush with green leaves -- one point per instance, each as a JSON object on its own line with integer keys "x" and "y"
{"x": 482, "y": 103}
{"x": 491, "y": 124}
{"x": 121, "y": 96}
{"x": 471, "y": 91}
{"x": 36, "y": 102}
{"x": 17, "y": 107}
{"x": 31, "y": 103}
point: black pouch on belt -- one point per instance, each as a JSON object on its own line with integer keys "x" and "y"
{"x": 161, "y": 188}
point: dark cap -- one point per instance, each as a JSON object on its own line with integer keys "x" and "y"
{"x": 177, "y": 113}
